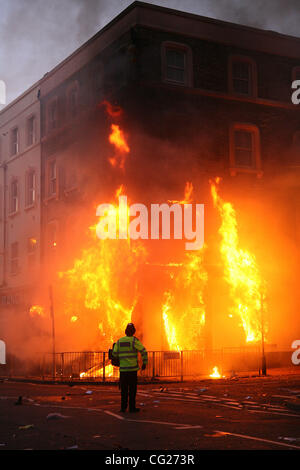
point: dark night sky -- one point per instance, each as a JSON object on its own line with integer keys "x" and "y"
{"x": 35, "y": 35}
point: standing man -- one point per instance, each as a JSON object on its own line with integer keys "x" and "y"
{"x": 126, "y": 349}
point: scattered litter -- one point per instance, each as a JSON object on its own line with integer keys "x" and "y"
{"x": 248, "y": 398}
{"x": 96, "y": 436}
{"x": 63, "y": 398}
{"x": 2, "y": 444}
{"x": 27, "y": 426}
{"x": 72, "y": 447}
{"x": 110, "y": 402}
{"x": 19, "y": 401}
{"x": 290, "y": 439}
{"x": 155, "y": 406}
{"x": 219, "y": 416}
{"x": 56, "y": 416}
{"x": 162, "y": 389}
{"x": 156, "y": 401}
{"x": 88, "y": 392}
{"x": 142, "y": 404}
{"x": 201, "y": 389}
{"x": 225, "y": 395}
{"x": 216, "y": 434}
{"x": 30, "y": 399}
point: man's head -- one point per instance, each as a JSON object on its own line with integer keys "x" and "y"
{"x": 130, "y": 329}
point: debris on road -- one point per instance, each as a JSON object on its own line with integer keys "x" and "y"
{"x": 19, "y": 401}
{"x": 89, "y": 392}
{"x": 27, "y": 426}
{"x": 56, "y": 416}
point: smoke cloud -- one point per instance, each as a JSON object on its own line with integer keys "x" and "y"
{"x": 35, "y": 35}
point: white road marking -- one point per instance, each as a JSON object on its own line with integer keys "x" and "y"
{"x": 115, "y": 415}
{"x": 244, "y": 436}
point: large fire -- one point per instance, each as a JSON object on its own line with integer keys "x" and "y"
{"x": 102, "y": 286}
{"x": 247, "y": 288}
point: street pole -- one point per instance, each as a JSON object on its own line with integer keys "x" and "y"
{"x": 263, "y": 357}
{"x": 53, "y": 333}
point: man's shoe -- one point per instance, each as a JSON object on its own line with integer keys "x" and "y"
{"x": 122, "y": 410}
{"x": 134, "y": 410}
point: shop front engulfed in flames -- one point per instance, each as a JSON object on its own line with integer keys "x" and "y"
{"x": 115, "y": 281}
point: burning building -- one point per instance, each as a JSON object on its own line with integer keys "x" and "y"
{"x": 165, "y": 107}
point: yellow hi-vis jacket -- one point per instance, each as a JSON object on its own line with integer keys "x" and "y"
{"x": 126, "y": 349}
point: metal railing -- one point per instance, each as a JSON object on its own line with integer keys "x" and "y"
{"x": 96, "y": 366}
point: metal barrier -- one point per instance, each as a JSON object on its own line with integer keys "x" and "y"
{"x": 95, "y": 365}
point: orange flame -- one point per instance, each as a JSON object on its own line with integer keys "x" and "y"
{"x": 37, "y": 310}
{"x": 117, "y": 138}
{"x": 215, "y": 374}
{"x": 247, "y": 288}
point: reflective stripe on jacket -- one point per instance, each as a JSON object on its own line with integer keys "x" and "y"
{"x": 126, "y": 349}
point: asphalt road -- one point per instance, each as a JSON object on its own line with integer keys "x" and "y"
{"x": 245, "y": 413}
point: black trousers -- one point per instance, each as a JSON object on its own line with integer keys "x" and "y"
{"x": 128, "y": 384}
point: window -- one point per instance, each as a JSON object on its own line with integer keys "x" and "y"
{"x": 14, "y": 258}
{"x": 14, "y": 141}
{"x": 52, "y": 180}
{"x": 31, "y": 130}
{"x": 31, "y": 251}
{"x": 245, "y": 149}
{"x": 177, "y": 63}
{"x": 242, "y": 76}
{"x": 52, "y": 115}
{"x": 14, "y": 196}
{"x": 30, "y": 188}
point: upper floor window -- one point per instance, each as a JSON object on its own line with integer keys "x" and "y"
{"x": 14, "y": 141}
{"x": 14, "y": 196}
{"x": 30, "y": 188}
{"x": 177, "y": 63}
{"x": 52, "y": 178}
{"x": 242, "y": 76}
{"x": 31, "y": 130}
{"x": 245, "y": 149}
{"x": 52, "y": 115}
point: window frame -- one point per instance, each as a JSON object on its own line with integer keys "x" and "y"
{"x": 28, "y": 203}
{"x": 14, "y": 151}
{"x": 252, "y": 79}
{"x": 14, "y": 208}
{"x": 188, "y": 69}
{"x": 256, "y": 168}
